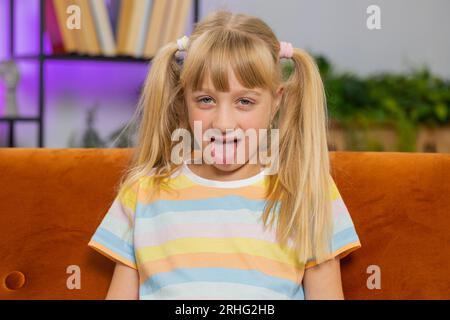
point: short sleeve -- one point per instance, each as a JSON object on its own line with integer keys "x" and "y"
{"x": 345, "y": 239}
{"x": 114, "y": 236}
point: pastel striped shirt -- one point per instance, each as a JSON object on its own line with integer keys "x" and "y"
{"x": 203, "y": 239}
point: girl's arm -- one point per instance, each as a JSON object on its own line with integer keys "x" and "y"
{"x": 323, "y": 281}
{"x": 124, "y": 284}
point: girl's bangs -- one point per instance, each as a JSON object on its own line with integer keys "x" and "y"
{"x": 249, "y": 59}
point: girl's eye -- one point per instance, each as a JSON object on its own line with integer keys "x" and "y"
{"x": 207, "y": 100}
{"x": 203, "y": 99}
{"x": 248, "y": 102}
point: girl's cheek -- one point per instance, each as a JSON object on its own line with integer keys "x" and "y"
{"x": 198, "y": 117}
{"x": 256, "y": 122}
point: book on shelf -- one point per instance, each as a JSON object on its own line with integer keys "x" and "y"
{"x": 77, "y": 33}
{"x": 91, "y": 43}
{"x": 123, "y": 22}
{"x": 170, "y": 16}
{"x": 142, "y": 28}
{"x": 178, "y": 27}
{"x": 135, "y": 28}
{"x": 54, "y": 33}
{"x": 176, "y": 14}
{"x": 69, "y": 41}
{"x": 73, "y": 38}
{"x": 156, "y": 22}
{"x": 103, "y": 27}
{"x": 113, "y": 7}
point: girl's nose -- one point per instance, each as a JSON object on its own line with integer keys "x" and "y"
{"x": 224, "y": 119}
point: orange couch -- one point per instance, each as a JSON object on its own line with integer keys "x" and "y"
{"x": 52, "y": 200}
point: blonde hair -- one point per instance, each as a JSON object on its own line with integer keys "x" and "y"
{"x": 300, "y": 190}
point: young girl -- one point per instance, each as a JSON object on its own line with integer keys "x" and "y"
{"x": 226, "y": 230}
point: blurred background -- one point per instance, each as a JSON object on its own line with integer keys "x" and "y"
{"x": 386, "y": 68}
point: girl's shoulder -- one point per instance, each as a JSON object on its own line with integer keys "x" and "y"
{"x": 146, "y": 182}
{"x": 149, "y": 177}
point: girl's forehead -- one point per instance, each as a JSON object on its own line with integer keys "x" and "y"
{"x": 233, "y": 83}
{"x": 241, "y": 90}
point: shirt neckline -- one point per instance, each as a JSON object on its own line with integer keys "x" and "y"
{"x": 223, "y": 184}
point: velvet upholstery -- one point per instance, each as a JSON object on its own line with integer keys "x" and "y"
{"x": 52, "y": 200}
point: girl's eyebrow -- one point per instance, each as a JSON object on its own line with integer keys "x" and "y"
{"x": 249, "y": 91}
{"x": 244, "y": 91}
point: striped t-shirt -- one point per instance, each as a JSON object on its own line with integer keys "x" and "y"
{"x": 204, "y": 239}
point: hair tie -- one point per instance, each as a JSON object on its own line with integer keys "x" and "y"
{"x": 286, "y": 50}
{"x": 182, "y": 44}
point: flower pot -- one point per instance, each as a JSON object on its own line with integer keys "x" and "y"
{"x": 434, "y": 139}
{"x": 375, "y": 138}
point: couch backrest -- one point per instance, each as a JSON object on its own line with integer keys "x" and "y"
{"x": 52, "y": 200}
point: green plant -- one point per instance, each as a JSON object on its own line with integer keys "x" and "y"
{"x": 402, "y": 101}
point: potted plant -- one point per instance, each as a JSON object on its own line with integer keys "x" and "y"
{"x": 386, "y": 111}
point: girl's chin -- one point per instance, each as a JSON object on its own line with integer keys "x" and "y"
{"x": 227, "y": 167}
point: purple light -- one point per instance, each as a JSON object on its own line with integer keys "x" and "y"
{"x": 4, "y": 48}
{"x": 71, "y": 87}
{"x": 4, "y": 29}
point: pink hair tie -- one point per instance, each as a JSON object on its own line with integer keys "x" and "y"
{"x": 286, "y": 50}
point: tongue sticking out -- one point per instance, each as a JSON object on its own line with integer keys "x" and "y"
{"x": 223, "y": 153}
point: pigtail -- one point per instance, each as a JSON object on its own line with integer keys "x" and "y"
{"x": 305, "y": 209}
{"x": 159, "y": 112}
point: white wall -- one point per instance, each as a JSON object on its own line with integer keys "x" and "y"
{"x": 413, "y": 31}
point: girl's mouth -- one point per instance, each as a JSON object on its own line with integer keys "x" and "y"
{"x": 228, "y": 140}
{"x": 223, "y": 151}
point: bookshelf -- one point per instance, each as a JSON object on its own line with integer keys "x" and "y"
{"x": 42, "y": 58}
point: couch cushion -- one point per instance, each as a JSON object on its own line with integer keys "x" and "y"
{"x": 52, "y": 200}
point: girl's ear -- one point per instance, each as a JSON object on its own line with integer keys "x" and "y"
{"x": 278, "y": 97}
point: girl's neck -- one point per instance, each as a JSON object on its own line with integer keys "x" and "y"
{"x": 210, "y": 172}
